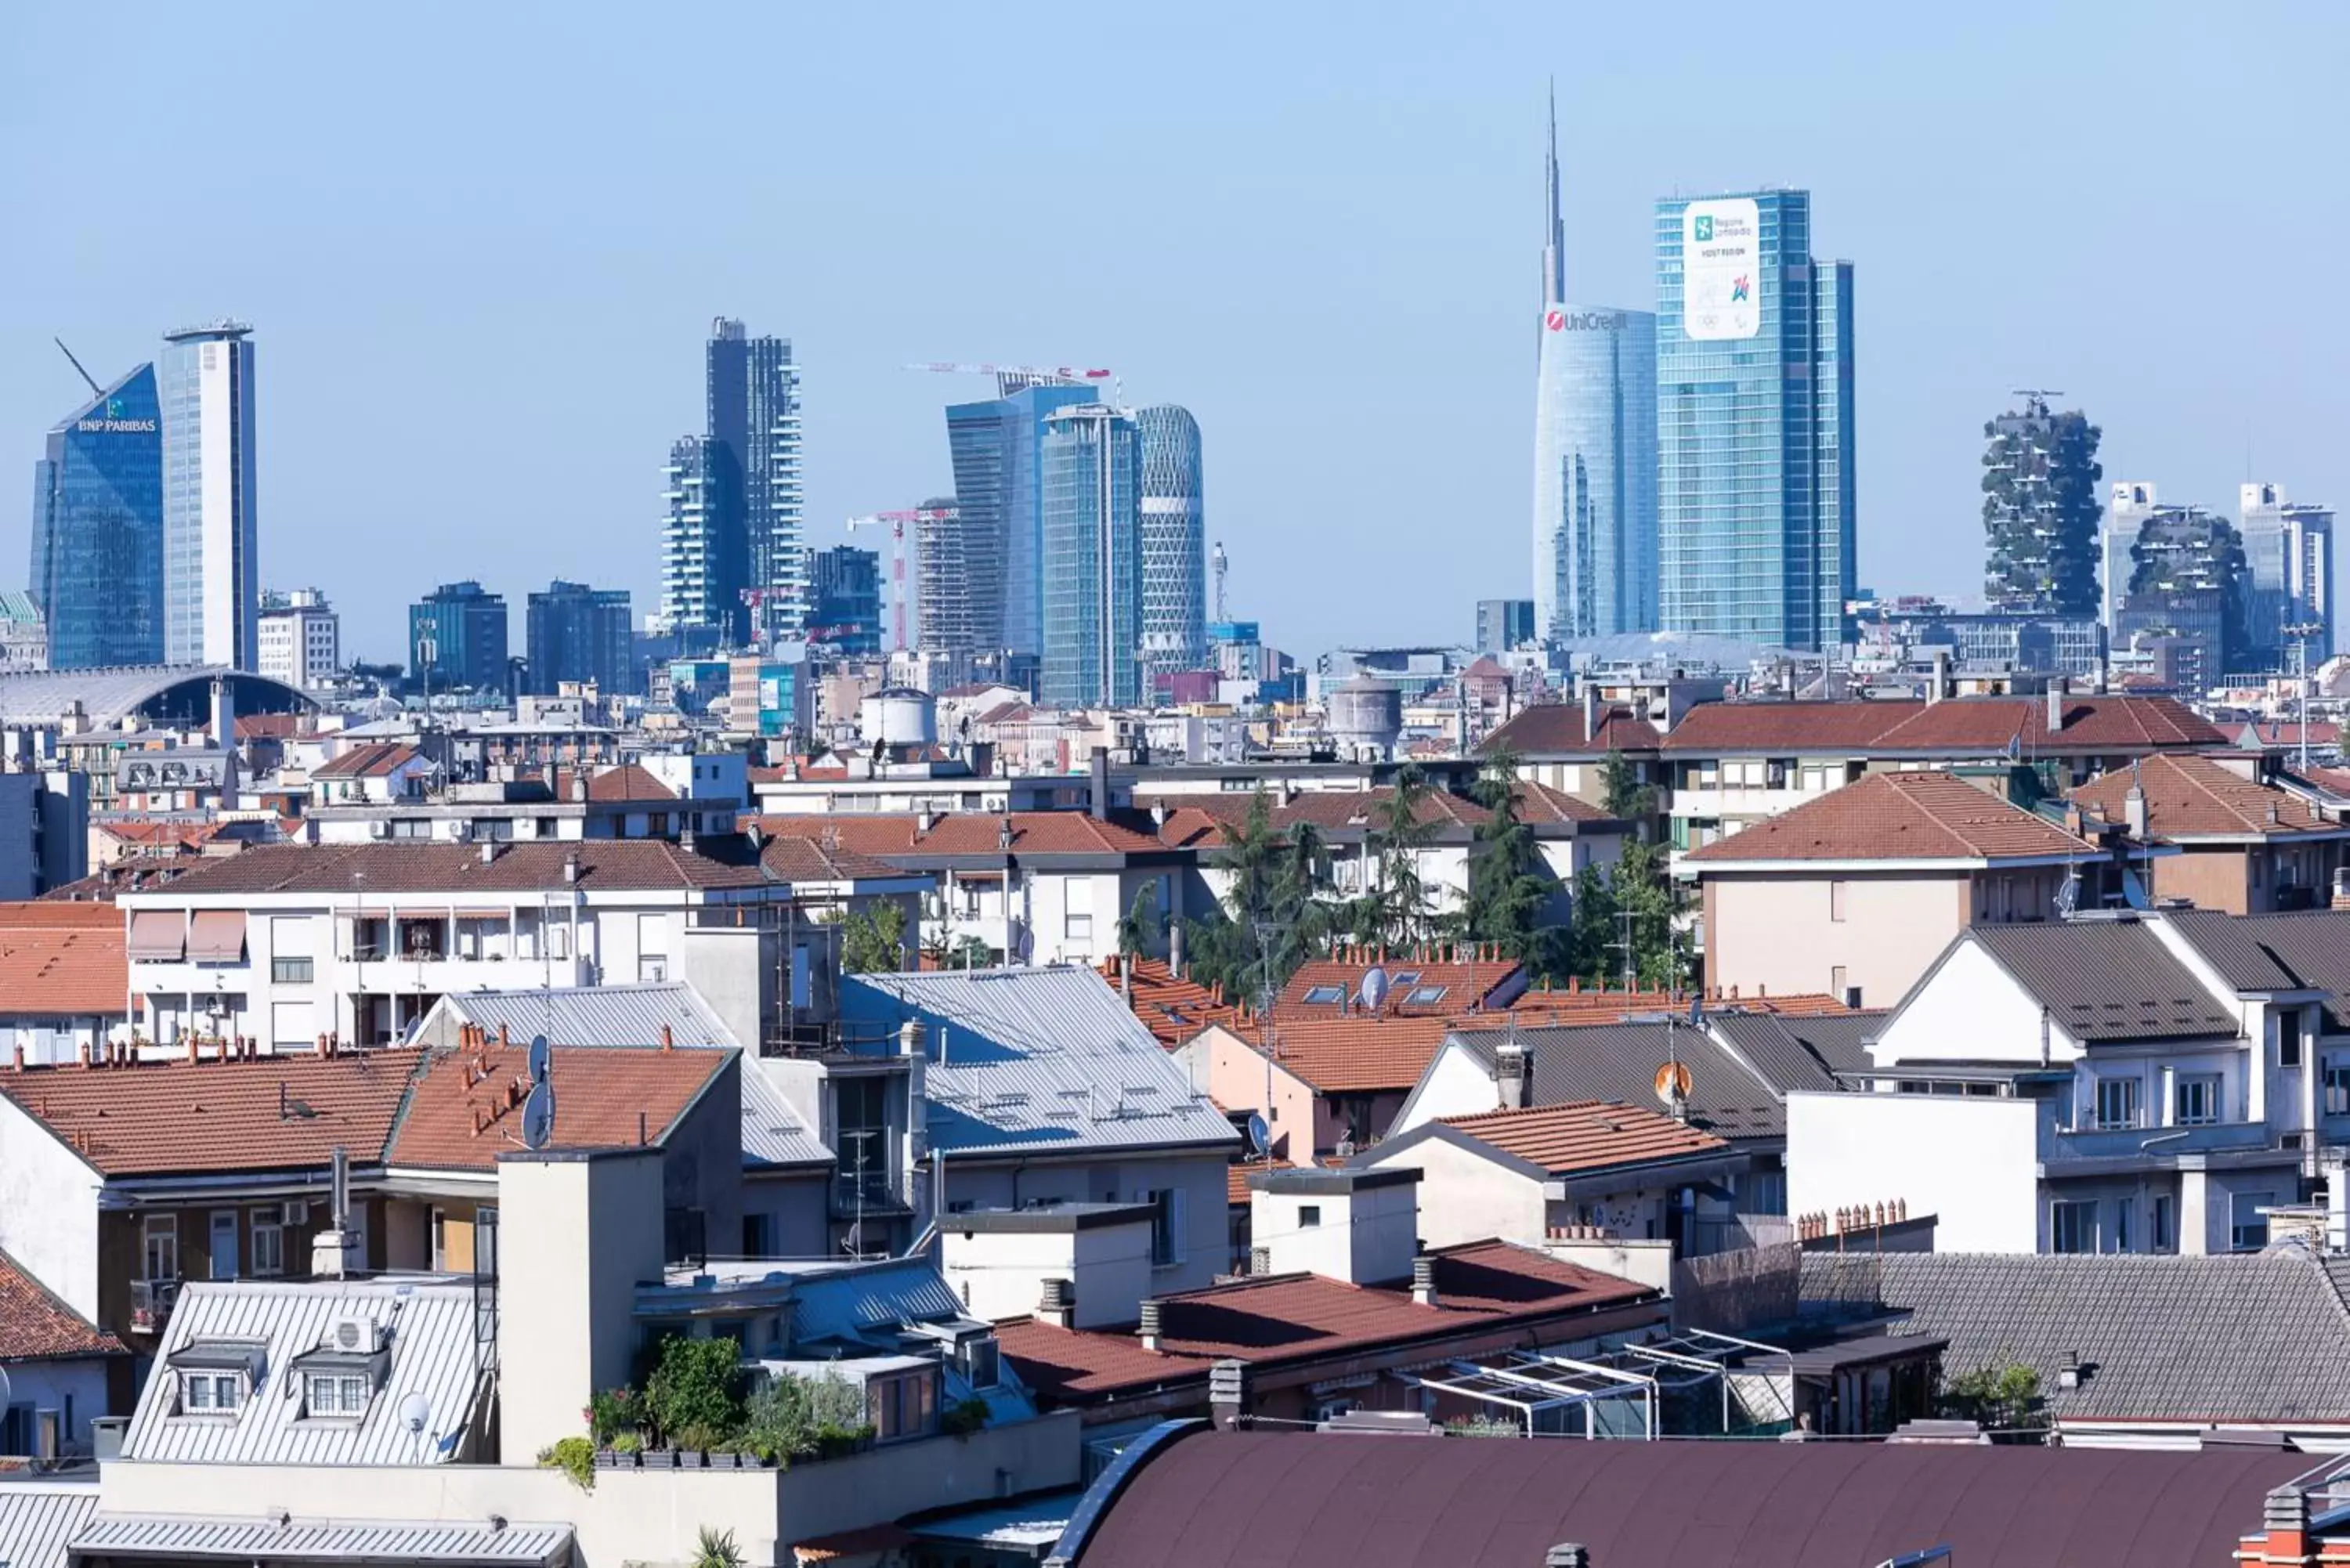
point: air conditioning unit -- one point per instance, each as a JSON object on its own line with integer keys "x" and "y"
{"x": 355, "y": 1333}
{"x": 378, "y": 828}
{"x": 461, "y": 831}
{"x": 297, "y": 1213}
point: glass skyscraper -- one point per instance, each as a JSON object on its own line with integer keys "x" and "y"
{"x": 2289, "y": 559}
{"x": 997, "y": 450}
{"x": 1174, "y": 545}
{"x": 845, "y": 597}
{"x": 457, "y": 638}
{"x": 1754, "y": 416}
{"x": 754, "y": 434}
{"x": 98, "y": 529}
{"x": 576, "y": 633}
{"x": 1091, "y": 464}
{"x": 212, "y": 558}
{"x": 1594, "y": 531}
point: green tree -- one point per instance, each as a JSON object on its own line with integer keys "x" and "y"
{"x": 1507, "y": 891}
{"x": 1592, "y": 927}
{"x": 1277, "y": 879}
{"x": 2000, "y": 1398}
{"x": 1643, "y": 890}
{"x": 870, "y": 939}
{"x": 716, "y": 1548}
{"x": 697, "y": 1387}
{"x": 1622, "y": 793}
{"x": 1140, "y": 923}
{"x": 1398, "y": 833}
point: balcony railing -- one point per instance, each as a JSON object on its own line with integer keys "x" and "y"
{"x": 2153, "y": 1142}
{"x": 150, "y": 1304}
{"x": 872, "y": 1191}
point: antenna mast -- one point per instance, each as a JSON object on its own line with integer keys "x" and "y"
{"x": 96, "y": 391}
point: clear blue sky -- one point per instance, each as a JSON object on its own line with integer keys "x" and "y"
{"x": 481, "y": 244}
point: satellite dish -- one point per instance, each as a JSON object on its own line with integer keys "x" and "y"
{"x": 1374, "y": 988}
{"x": 1673, "y": 1082}
{"x": 416, "y": 1413}
{"x": 538, "y": 1116}
{"x": 542, "y": 1057}
{"x": 1260, "y": 1136}
{"x": 4, "y": 1389}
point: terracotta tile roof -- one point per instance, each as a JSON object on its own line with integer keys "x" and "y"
{"x": 35, "y": 1326}
{"x": 605, "y": 863}
{"x": 1173, "y": 1008}
{"x": 62, "y": 960}
{"x": 810, "y": 860}
{"x": 1554, "y": 728}
{"x": 267, "y": 726}
{"x": 2281, "y": 734}
{"x": 174, "y": 1118}
{"x": 1898, "y": 816}
{"x": 378, "y": 760}
{"x": 627, "y": 782}
{"x": 1287, "y": 1318}
{"x": 1539, "y": 803}
{"x": 978, "y": 833}
{"x": 1578, "y": 1004}
{"x": 1357, "y": 1055}
{"x": 464, "y": 1104}
{"x": 1586, "y": 1134}
{"x": 151, "y": 835}
{"x": 2195, "y": 797}
{"x": 1464, "y": 984}
{"x": 1236, "y": 1177}
{"x": 1980, "y": 726}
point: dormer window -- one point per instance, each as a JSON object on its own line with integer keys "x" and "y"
{"x": 334, "y": 1394}
{"x": 343, "y": 1376}
{"x": 216, "y": 1378}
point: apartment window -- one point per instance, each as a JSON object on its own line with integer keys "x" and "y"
{"x": 2125, "y": 1216}
{"x": 1167, "y": 1237}
{"x": 1836, "y": 981}
{"x": 2248, "y": 1228}
{"x": 2289, "y": 1040}
{"x": 1309, "y": 1216}
{"x": 291, "y": 971}
{"x": 210, "y": 1393}
{"x": 980, "y": 1361}
{"x": 2337, "y": 1085}
{"x": 2073, "y": 1227}
{"x": 334, "y": 1394}
{"x": 2166, "y": 1223}
{"x": 269, "y": 1240}
{"x": 1078, "y": 911}
{"x": 652, "y": 967}
{"x": 1836, "y": 900}
{"x": 163, "y": 1246}
{"x": 2117, "y": 1103}
{"x": 903, "y": 1405}
{"x": 2198, "y": 1099}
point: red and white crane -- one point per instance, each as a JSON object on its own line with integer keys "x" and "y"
{"x": 897, "y": 521}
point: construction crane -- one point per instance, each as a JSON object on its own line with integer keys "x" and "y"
{"x": 1010, "y": 378}
{"x": 897, "y": 521}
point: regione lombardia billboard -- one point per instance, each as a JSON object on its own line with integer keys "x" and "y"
{"x": 1721, "y": 285}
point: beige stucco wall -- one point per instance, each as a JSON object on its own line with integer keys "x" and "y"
{"x": 1772, "y": 932}
{"x": 1233, "y": 1075}
{"x": 1465, "y": 1196}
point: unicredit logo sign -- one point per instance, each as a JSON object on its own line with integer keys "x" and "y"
{"x": 1584, "y": 321}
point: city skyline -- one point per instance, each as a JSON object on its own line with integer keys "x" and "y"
{"x": 1439, "y": 306}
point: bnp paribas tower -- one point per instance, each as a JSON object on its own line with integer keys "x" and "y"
{"x": 1596, "y": 547}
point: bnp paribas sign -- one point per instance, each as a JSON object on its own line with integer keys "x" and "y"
{"x": 113, "y": 422}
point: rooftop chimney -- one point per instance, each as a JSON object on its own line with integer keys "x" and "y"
{"x": 1423, "y": 1281}
{"x": 2341, "y": 889}
{"x": 1510, "y": 1074}
{"x": 2134, "y": 811}
{"x": 2058, "y": 689}
{"x": 1228, "y": 1392}
{"x": 1939, "y": 685}
{"x": 1568, "y": 1555}
{"x": 1590, "y": 709}
{"x": 571, "y": 868}
{"x": 1148, "y": 1328}
{"x": 910, "y": 1037}
{"x": 1100, "y": 806}
{"x": 1057, "y": 1303}
{"x": 332, "y": 1249}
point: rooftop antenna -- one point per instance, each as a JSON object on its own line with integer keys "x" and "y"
{"x": 1219, "y": 563}
{"x": 97, "y": 390}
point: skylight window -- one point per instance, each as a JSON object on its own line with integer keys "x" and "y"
{"x": 1429, "y": 995}
{"x": 1324, "y": 995}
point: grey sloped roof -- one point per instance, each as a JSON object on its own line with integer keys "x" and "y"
{"x": 433, "y": 1353}
{"x": 2244, "y": 1337}
{"x": 2107, "y": 979}
{"x": 2310, "y": 951}
{"x": 1619, "y": 1061}
{"x": 1038, "y": 1061}
{"x": 324, "y": 1540}
{"x": 39, "y": 1520}
{"x": 43, "y": 696}
{"x": 1794, "y": 1052}
{"x": 850, "y": 1301}
{"x": 622, "y": 1016}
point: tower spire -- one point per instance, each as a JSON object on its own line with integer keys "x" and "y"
{"x": 1553, "y": 259}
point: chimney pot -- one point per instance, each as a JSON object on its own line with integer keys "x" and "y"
{"x": 1149, "y": 1328}
{"x": 1568, "y": 1555}
{"x": 669, "y": 1042}
{"x": 1423, "y": 1281}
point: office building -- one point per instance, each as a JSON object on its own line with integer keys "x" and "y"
{"x": 997, "y": 450}
{"x": 1595, "y": 525}
{"x": 576, "y": 634}
{"x": 1504, "y": 623}
{"x": 1092, "y": 599}
{"x": 300, "y": 639}
{"x": 2289, "y": 555}
{"x": 98, "y": 529}
{"x": 754, "y": 433}
{"x": 24, "y": 634}
{"x": 1174, "y": 545}
{"x": 845, "y": 601}
{"x": 700, "y": 598}
{"x": 457, "y": 638}
{"x": 1754, "y": 421}
{"x": 211, "y": 551}
{"x": 2129, "y": 504}
{"x": 2040, "y": 511}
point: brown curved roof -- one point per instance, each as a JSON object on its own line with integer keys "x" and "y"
{"x": 1309, "y": 1500}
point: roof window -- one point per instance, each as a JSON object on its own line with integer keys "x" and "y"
{"x": 1324, "y": 995}
{"x": 1429, "y": 995}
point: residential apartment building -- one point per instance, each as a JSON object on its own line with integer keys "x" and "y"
{"x": 300, "y": 639}
{"x": 2236, "y": 842}
{"x": 2150, "y": 1083}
